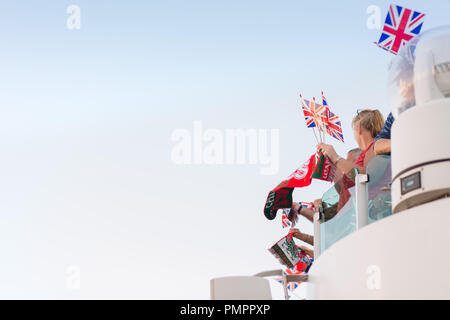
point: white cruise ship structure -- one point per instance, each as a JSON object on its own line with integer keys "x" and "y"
{"x": 385, "y": 233}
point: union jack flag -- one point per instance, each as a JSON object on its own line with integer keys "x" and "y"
{"x": 332, "y": 123}
{"x": 308, "y": 205}
{"x": 410, "y": 53}
{"x": 400, "y": 26}
{"x": 309, "y": 116}
{"x": 286, "y": 222}
{"x": 290, "y": 285}
{"x": 285, "y": 219}
{"x": 313, "y": 113}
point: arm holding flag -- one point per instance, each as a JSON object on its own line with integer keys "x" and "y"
{"x": 308, "y": 251}
{"x": 382, "y": 142}
{"x": 307, "y": 212}
{"x": 304, "y": 211}
{"x": 341, "y": 163}
{"x": 302, "y": 236}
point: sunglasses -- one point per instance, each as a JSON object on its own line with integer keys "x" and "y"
{"x": 358, "y": 117}
{"x": 357, "y": 113}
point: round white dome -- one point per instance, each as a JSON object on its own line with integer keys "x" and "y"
{"x": 421, "y": 71}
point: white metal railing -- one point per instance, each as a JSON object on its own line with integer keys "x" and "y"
{"x": 362, "y": 211}
{"x": 316, "y": 234}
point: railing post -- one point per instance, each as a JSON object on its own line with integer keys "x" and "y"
{"x": 285, "y": 284}
{"x": 362, "y": 210}
{"x": 316, "y": 235}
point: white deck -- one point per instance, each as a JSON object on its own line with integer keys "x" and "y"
{"x": 404, "y": 256}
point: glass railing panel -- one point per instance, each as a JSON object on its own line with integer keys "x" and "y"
{"x": 378, "y": 188}
{"x": 341, "y": 225}
{"x": 338, "y": 218}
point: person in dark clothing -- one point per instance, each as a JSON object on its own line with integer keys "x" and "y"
{"x": 382, "y": 142}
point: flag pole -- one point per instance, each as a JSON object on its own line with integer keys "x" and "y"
{"x": 319, "y": 124}
{"x": 326, "y": 113}
{"x": 315, "y": 136}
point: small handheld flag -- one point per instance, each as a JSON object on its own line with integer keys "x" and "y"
{"x": 332, "y": 122}
{"x": 308, "y": 205}
{"x": 314, "y": 115}
{"x": 291, "y": 285}
{"x": 285, "y": 222}
{"x": 289, "y": 217}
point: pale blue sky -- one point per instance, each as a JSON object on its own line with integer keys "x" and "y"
{"x": 86, "y": 118}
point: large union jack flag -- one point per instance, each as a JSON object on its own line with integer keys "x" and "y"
{"x": 332, "y": 123}
{"x": 401, "y": 25}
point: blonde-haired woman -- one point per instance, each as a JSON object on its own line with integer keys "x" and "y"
{"x": 366, "y": 126}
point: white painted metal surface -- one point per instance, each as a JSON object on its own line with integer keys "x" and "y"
{"x": 361, "y": 201}
{"x": 404, "y": 256}
{"x": 240, "y": 288}
{"x": 316, "y": 234}
{"x": 413, "y": 145}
